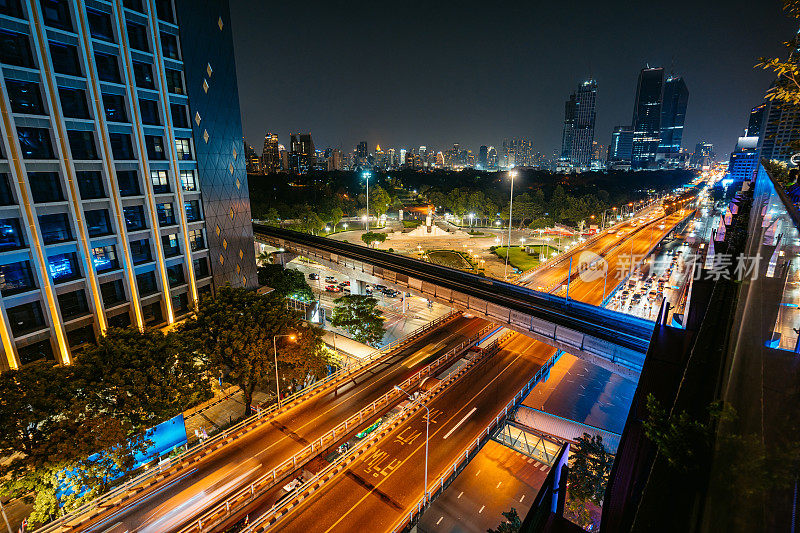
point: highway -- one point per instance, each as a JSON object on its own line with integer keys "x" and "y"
{"x": 172, "y": 502}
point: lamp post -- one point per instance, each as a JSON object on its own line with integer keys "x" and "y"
{"x": 275, "y": 354}
{"x": 366, "y": 176}
{"x": 427, "y": 429}
{"x": 510, "y": 211}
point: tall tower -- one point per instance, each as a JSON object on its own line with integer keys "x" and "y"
{"x": 270, "y": 155}
{"x": 673, "y": 115}
{"x": 302, "y": 156}
{"x": 568, "y": 133}
{"x": 647, "y": 117}
{"x": 122, "y": 170}
{"x": 583, "y": 130}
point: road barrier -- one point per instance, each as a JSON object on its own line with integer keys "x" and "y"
{"x": 238, "y": 501}
{"x": 78, "y": 518}
{"x": 463, "y": 459}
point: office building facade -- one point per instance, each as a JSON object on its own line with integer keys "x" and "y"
{"x": 568, "y": 132}
{"x": 302, "y": 155}
{"x": 673, "y": 116}
{"x": 270, "y": 154}
{"x": 647, "y": 117}
{"x": 621, "y": 148}
{"x": 122, "y": 173}
{"x": 583, "y": 129}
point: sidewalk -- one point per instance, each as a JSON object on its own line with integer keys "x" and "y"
{"x": 221, "y": 413}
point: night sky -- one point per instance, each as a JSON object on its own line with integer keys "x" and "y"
{"x": 406, "y": 74}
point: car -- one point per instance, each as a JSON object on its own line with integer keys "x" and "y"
{"x": 344, "y": 284}
{"x": 636, "y": 298}
{"x": 390, "y": 293}
{"x": 330, "y": 279}
{"x": 333, "y": 288}
{"x": 313, "y": 275}
{"x": 368, "y": 291}
{"x": 381, "y": 287}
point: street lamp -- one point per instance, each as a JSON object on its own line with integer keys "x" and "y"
{"x": 427, "y": 430}
{"x": 292, "y": 337}
{"x": 513, "y": 174}
{"x": 345, "y": 226}
{"x": 366, "y": 176}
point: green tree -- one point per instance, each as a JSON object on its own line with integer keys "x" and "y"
{"x": 787, "y": 86}
{"x": 310, "y": 221}
{"x": 336, "y": 217}
{"x": 370, "y": 238}
{"x": 359, "y": 316}
{"x": 272, "y": 216}
{"x": 511, "y": 524}
{"x": 235, "y": 330}
{"x": 589, "y": 469}
{"x": 379, "y": 200}
{"x": 287, "y": 282}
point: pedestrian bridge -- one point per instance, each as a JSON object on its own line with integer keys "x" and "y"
{"x": 606, "y": 338}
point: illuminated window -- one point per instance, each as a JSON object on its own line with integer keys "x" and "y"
{"x": 238, "y": 184}
{"x": 225, "y": 244}
{"x": 205, "y": 86}
{"x": 208, "y": 70}
{"x": 235, "y": 154}
{"x": 221, "y": 260}
{"x": 197, "y": 117}
{"x": 188, "y": 180}
{"x": 238, "y": 269}
{"x": 205, "y": 136}
{"x": 241, "y": 254}
{"x": 230, "y": 168}
{"x": 230, "y": 213}
{"x": 218, "y": 231}
{"x": 219, "y": 23}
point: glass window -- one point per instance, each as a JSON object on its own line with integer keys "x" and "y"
{"x": 174, "y": 81}
{"x": 25, "y": 318}
{"x": 73, "y": 304}
{"x": 160, "y": 181}
{"x": 143, "y": 74}
{"x": 164, "y": 10}
{"x": 134, "y": 217}
{"x": 80, "y": 338}
{"x": 81, "y": 144}
{"x": 146, "y": 283}
{"x": 192, "y": 208}
{"x": 107, "y": 67}
{"x": 100, "y": 25}
{"x": 105, "y": 258}
{"x": 169, "y": 46}
{"x": 114, "y": 105}
{"x": 179, "y": 116}
{"x": 166, "y": 214}
{"x": 149, "y": 110}
{"x": 10, "y": 234}
{"x": 16, "y": 278}
{"x": 65, "y": 59}
{"x": 201, "y": 268}
{"x": 45, "y": 187}
{"x": 128, "y": 182}
{"x": 37, "y": 351}
{"x": 64, "y": 267}
{"x": 15, "y": 49}
{"x": 184, "y": 149}
{"x": 122, "y": 320}
{"x": 175, "y": 275}
{"x": 35, "y": 143}
{"x": 25, "y": 97}
{"x": 97, "y": 222}
{"x": 180, "y": 304}
{"x": 73, "y": 102}
{"x": 136, "y": 5}
{"x": 196, "y": 239}
{"x": 55, "y": 228}
{"x": 113, "y": 292}
{"x": 56, "y": 14}
{"x": 140, "y": 251}
{"x": 152, "y": 314}
{"x": 155, "y": 147}
{"x": 12, "y": 8}
{"x": 90, "y": 183}
{"x": 6, "y": 196}
{"x": 121, "y": 146}
{"x": 188, "y": 180}
{"x": 137, "y": 36}
{"x": 170, "y": 244}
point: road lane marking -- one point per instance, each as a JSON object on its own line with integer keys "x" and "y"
{"x": 522, "y": 498}
{"x": 460, "y": 495}
{"x": 476, "y": 473}
{"x": 498, "y": 484}
{"x": 439, "y": 521}
{"x": 537, "y": 464}
{"x": 460, "y": 422}
{"x": 543, "y": 468}
{"x": 482, "y": 508}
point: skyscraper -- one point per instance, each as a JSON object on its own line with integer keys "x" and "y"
{"x": 568, "y": 132}
{"x": 647, "y": 117}
{"x": 270, "y": 155}
{"x": 756, "y": 121}
{"x": 583, "y": 132}
{"x": 253, "y": 160}
{"x": 621, "y": 147}
{"x": 302, "y": 156}
{"x": 126, "y": 146}
{"x": 703, "y": 154}
{"x": 780, "y": 131}
{"x": 518, "y": 152}
{"x": 483, "y": 157}
{"x": 673, "y": 115}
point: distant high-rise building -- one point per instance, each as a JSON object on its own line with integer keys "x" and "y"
{"x": 402, "y": 160}
{"x": 621, "y": 147}
{"x": 756, "y": 121}
{"x": 335, "y": 160}
{"x": 647, "y": 117}
{"x": 270, "y": 157}
{"x": 491, "y": 159}
{"x": 568, "y": 132}
{"x": 703, "y": 155}
{"x": 391, "y": 158}
{"x": 253, "y": 161}
{"x": 780, "y": 131}
{"x": 584, "y": 119}
{"x": 518, "y": 152}
{"x": 302, "y": 156}
{"x": 483, "y": 157}
{"x": 673, "y": 116}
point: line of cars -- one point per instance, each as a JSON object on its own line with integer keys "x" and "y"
{"x": 334, "y": 285}
{"x": 640, "y": 287}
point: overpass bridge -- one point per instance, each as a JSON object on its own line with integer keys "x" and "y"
{"x": 609, "y": 339}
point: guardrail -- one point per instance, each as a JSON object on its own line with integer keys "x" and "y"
{"x": 463, "y": 459}
{"x": 168, "y": 468}
{"x": 245, "y": 496}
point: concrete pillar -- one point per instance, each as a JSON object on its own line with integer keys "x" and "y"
{"x": 357, "y": 286}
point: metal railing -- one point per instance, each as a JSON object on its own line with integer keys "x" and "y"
{"x": 238, "y": 501}
{"x": 181, "y": 462}
{"x": 463, "y": 459}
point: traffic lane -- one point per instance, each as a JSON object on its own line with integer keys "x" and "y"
{"x": 287, "y": 433}
{"x": 496, "y": 479}
{"x": 375, "y": 491}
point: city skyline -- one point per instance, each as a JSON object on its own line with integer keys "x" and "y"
{"x": 509, "y": 82}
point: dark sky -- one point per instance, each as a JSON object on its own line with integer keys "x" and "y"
{"x": 405, "y": 74}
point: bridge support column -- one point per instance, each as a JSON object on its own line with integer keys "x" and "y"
{"x": 357, "y": 286}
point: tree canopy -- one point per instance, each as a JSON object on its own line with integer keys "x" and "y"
{"x": 360, "y": 317}
{"x": 287, "y": 282}
{"x": 370, "y": 238}
{"x": 589, "y": 469}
